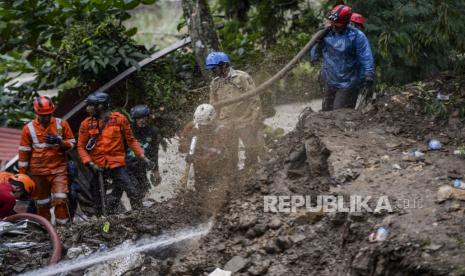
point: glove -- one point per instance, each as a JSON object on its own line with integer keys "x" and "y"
{"x": 53, "y": 139}
{"x": 94, "y": 167}
{"x": 369, "y": 79}
{"x": 147, "y": 161}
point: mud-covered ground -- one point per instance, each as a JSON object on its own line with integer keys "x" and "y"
{"x": 343, "y": 153}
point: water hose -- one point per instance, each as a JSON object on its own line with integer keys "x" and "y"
{"x": 56, "y": 243}
{"x": 315, "y": 38}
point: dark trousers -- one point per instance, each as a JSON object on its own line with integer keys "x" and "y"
{"x": 121, "y": 183}
{"x": 137, "y": 171}
{"x": 335, "y": 98}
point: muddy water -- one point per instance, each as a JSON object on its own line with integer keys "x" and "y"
{"x": 126, "y": 250}
{"x": 172, "y": 163}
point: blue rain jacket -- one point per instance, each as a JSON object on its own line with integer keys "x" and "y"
{"x": 347, "y": 58}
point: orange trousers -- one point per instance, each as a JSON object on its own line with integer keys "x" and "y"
{"x": 52, "y": 189}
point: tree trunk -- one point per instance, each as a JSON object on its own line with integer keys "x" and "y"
{"x": 201, "y": 30}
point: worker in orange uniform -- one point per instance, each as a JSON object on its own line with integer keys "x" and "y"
{"x": 101, "y": 146}
{"x": 42, "y": 152}
{"x": 15, "y": 187}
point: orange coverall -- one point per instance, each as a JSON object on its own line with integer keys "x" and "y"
{"x": 47, "y": 165}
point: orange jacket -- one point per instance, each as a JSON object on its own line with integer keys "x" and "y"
{"x": 40, "y": 157}
{"x": 109, "y": 151}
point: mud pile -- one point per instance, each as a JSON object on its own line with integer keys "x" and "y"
{"x": 346, "y": 153}
{"x": 343, "y": 153}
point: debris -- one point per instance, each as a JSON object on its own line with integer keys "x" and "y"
{"x": 442, "y": 97}
{"x": 459, "y": 184}
{"x": 236, "y": 264}
{"x": 397, "y": 167}
{"x": 460, "y": 152}
{"x": 102, "y": 247}
{"x": 106, "y": 227}
{"x": 413, "y": 156}
{"x": 18, "y": 245}
{"x": 79, "y": 251}
{"x": 433, "y": 247}
{"x": 434, "y": 144}
{"x": 379, "y": 236}
{"x": 446, "y": 192}
{"x": 220, "y": 272}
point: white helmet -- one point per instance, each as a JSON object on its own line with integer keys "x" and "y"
{"x": 204, "y": 114}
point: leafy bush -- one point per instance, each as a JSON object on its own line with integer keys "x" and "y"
{"x": 413, "y": 40}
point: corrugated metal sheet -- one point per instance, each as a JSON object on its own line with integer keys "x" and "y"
{"x": 9, "y": 141}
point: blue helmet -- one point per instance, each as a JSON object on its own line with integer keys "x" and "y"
{"x": 216, "y": 58}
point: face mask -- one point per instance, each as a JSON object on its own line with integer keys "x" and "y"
{"x": 44, "y": 119}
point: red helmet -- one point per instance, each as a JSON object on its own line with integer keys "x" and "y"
{"x": 43, "y": 105}
{"x": 340, "y": 15}
{"x": 357, "y": 19}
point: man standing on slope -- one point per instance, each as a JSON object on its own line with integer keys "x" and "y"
{"x": 347, "y": 61}
{"x": 101, "y": 147}
{"x": 244, "y": 118}
{"x": 42, "y": 152}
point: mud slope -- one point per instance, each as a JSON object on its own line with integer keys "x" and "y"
{"x": 345, "y": 153}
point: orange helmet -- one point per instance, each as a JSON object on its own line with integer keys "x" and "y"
{"x": 43, "y": 105}
{"x": 24, "y": 182}
{"x": 5, "y": 176}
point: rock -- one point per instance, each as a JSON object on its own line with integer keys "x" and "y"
{"x": 363, "y": 262}
{"x": 236, "y": 264}
{"x": 250, "y": 234}
{"x": 305, "y": 217}
{"x": 247, "y": 221}
{"x": 275, "y": 223}
{"x": 220, "y": 272}
{"x": 454, "y": 207}
{"x": 283, "y": 242}
{"x": 260, "y": 229}
{"x": 433, "y": 247}
{"x": 75, "y": 252}
{"x": 259, "y": 268}
{"x": 443, "y": 193}
{"x": 270, "y": 247}
{"x": 221, "y": 247}
{"x": 296, "y": 238}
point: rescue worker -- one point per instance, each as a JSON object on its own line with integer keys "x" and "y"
{"x": 42, "y": 152}
{"x": 243, "y": 118}
{"x": 212, "y": 160}
{"x": 101, "y": 147}
{"x": 347, "y": 60}
{"x": 149, "y": 139}
{"x": 16, "y": 187}
{"x": 5, "y": 176}
{"x": 357, "y": 20}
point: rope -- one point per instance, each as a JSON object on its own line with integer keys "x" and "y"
{"x": 315, "y": 38}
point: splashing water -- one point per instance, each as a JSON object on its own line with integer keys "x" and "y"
{"x": 140, "y": 246}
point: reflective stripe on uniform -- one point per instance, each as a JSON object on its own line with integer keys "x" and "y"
{"x": 32, "y": 131}
{"x": 59, "y": 195}
{"x": 59, "y": 127}
{"x": 23, "y": 164}
{"x": 61, "y": 221}
{"x": 43, "y": 201}
{"x": 24, "y": 148}
{"x": 42, "y": 145}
